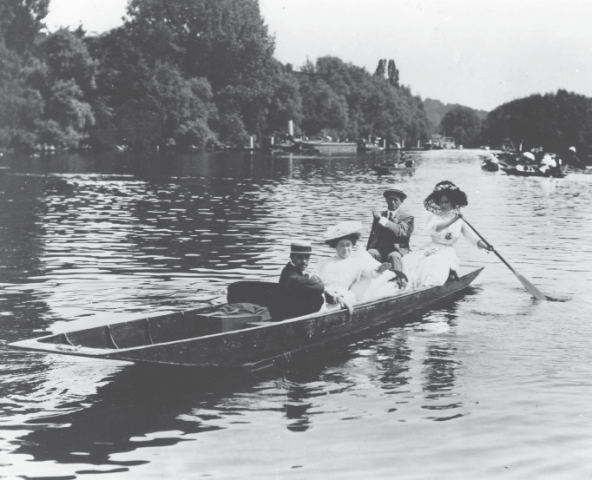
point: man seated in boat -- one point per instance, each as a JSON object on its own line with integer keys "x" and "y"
{"x": 527, "y": 162}
{"x": 300, "y": 293}
{"x": 572, "y": 160}
{"x": 492, "y": 159}
{"x": 391, "y": 230}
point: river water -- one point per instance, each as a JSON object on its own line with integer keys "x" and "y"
{"x": 489, "y": 384}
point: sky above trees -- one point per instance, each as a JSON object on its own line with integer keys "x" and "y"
{"x": 475, "y": 53}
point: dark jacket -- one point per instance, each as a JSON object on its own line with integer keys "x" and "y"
{"x": 394, "y": 236}
{"x": 298, "y": 294}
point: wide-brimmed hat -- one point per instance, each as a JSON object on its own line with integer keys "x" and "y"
{"x": 343, "y": 229}
{"x": 395, "y": 191}
{"x": 457, "y": 197}
{"x": 528, "y": 155}
{"x": 573, "y": 149}
{"x": 301, "y": 246}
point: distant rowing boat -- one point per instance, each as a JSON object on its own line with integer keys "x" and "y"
{"x": 201, "y": 338}
{"x": 528, "y": 171}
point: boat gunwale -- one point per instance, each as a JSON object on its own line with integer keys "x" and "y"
{"x": 79, "y": 350}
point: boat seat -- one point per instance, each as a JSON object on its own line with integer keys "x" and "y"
{"x": 259, "y": 293}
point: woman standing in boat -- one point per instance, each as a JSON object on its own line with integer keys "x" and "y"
{"x": 437, "y": 261}
{"x": 341, "y": 271}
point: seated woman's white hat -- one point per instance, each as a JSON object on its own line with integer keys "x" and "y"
{"x": 573, "y": 149}
{"x": 301, "y": 246}
{"x": 528, "y": 155}
{"x": 344, "y": 229}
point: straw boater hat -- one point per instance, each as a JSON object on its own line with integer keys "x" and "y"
{"x": 301, "y": 246}
{"x": 457, "y": 197}
{"x": 352, "y": 230}
{"x": 396, "y": 191}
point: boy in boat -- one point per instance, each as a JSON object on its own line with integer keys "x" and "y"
{"x": 391, "y": 230}
{"x": 300, "y": 293}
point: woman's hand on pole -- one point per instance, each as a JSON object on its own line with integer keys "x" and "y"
{"x": 484, "y": 246}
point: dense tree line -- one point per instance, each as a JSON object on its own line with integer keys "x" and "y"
{"x": 554, "y": 121}
{"x": 189, "y": 72}
{"x": 463, "y": 124}
{"x": 436, "y": 111}
{"x": 183, "y": 73}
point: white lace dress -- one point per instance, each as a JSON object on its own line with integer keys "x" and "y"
{"x": 431, "y": 265}
{"x": 339, "y": 275}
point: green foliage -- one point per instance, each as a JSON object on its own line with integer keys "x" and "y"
{"x": 185, "y": 104}
{"x": 354, "y": 104}
{"x": 225, "y": 41}
{"x": 436, "y": 111}
{"x": 380, "y": 69}
{"x": 393, "y": 74}
{"x": 21, "y": 22}
{"x": 65, "y": 116}
{"x": 138, "y": 124}
{"x": 20, "y": 103}
{"x": 132, "y": 86}
{"x": 554, "y": 121}
{"x": 285, "y": 101}
{"x": 183, "y": 72}
{"x": 463, "y": 124}
{"x": 67, "y": 84}
{"x": 67, "y": 58}
{"x": 232, "y": 130}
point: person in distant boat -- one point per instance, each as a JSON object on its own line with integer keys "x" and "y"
{"x": 300, "y": 292}
{"x": 548, "y": 164}
{"x": 572, "y": 160}
{"x": 341, "y": 271}
{"x": 391, "y": 230}
{"x": 437, "y": 262}
{"x": 527, "y": 162}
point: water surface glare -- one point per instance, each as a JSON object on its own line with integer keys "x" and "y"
{"x": 488, "y": 384}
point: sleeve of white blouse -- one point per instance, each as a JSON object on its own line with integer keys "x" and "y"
{"x": 319, "y": 267}
{"x": 431, "y": 224}
{"x": 469, "y": 234}
{"x": 368, "y": 264}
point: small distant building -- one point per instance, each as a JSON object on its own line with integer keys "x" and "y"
{"x": 440, "y": 141}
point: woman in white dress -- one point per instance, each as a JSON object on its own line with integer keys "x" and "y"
{"x": 437, "y": 261}
{"x": 339, "y": 272}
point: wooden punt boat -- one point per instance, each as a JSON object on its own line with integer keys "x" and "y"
{"x": 522, "y": 171}
{"x": 489, "y": 166}
{"x": 196, "y": 338}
